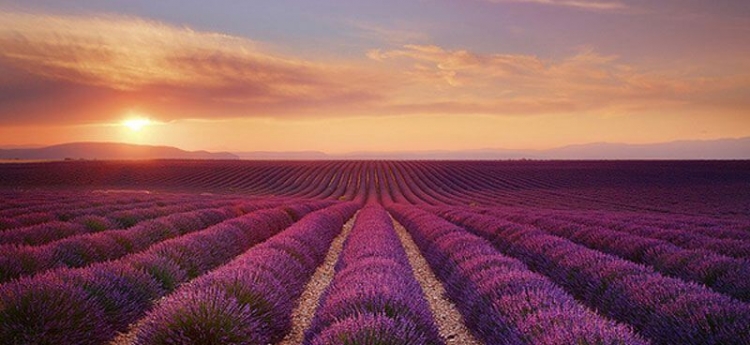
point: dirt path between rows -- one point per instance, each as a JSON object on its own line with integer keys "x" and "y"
{"x": 447, "y": 318}
{"x": 449, "y": 321}
{"x": 303, "y": 314}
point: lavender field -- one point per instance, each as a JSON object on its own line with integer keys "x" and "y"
{"x": 375, "y": 252}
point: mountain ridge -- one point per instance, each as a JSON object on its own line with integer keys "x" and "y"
{"x": 108, "y": 151}
{"x": 718, "y": 149}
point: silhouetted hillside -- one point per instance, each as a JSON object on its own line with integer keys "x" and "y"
{"x": 109, "y": 151}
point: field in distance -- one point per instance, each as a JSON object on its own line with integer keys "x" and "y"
{"x": 326, "y": 252}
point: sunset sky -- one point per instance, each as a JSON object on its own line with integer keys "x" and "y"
{"x": 339, "y": 76}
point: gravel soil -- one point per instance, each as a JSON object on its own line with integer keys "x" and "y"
{"x": 127, "y": 338}
{"x": 303, "y": 314}
{"x": 449, "y": 321}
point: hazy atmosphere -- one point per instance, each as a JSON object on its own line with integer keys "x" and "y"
{"x": 411, "y": 172}
{"x": 343, "y": 76}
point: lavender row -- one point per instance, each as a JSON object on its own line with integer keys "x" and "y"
{"x": 723, "y": 274}
{"x": 29, "y": 223}
{"x": 718, "y": 235}
{"x": 13, "y": 200}
{"x": 115, "y": 210}
{"x": 89, "y": 305}
{"x": 250, "y": 299}
{"x": 688, "y": 237}
{"x": 374, "y": 297}
{"x": 667, "y": 310}
{"x": 63, "y": 212}
{"x": 26, "y": 203}
{"x": 129, "y": 217}
{"x": 737, "y": 230}
{"x": 90, "y": 222}
{"x": 501, "y": 300}
{"x": 63, "y": 209}
{"x": 85, "y": 249}
{"x": 713, "y": 227}
{"x": 52, "y": 231}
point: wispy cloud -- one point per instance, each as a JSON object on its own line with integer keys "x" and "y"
{"x": 381, "y": 33}
{"x": 155, "y": 62}
{"x": 83, "y": 69}
{"x": 461, "y": 81}
{"x": 592, "y": 5}
{"x": 458, "y": 67}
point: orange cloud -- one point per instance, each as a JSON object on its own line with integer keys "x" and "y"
{"x": 165, "y": 66}
{"x": 461, "y": 66}
{"x": 512, "y": 84}
{"x": 84, "y": 69}
{"x": 128, "y": 53}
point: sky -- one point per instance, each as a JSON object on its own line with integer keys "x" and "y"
{"x": 392, "y": 75}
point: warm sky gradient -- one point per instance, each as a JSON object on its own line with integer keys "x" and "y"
{"x": 339, "y": 76}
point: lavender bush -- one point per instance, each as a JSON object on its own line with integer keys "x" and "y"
{"x": 501, "y": 300}
{"x": 256, "y": 292}
{"x": 373, "y": 282}
{"x": 667, "y": 310}
{"x": 119, "y": 292}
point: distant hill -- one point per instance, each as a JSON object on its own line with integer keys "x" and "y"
{"x": 677, "y": 150}
{"x": 480, "y": 154}
{"x": 108, "y": 151}
{"x": 289, "y": 155}
{"x": 683, "y": 150}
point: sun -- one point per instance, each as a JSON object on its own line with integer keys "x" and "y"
{"x": 136, "y": 124}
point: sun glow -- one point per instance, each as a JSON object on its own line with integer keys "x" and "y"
{"x": 136, "y": 124}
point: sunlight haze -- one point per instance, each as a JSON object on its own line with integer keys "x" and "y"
{"x": 381, "y": 76}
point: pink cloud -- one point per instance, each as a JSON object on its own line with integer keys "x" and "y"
{"x": 164, "y": 66}
{"x": 592, "y": 5}
{"x": 82, "y": 69}
{"x": 515, "y": 84}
